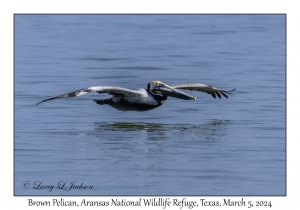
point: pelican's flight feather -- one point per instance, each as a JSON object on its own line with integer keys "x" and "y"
{"x": 112, "y": 90}
{"x": 203, "y": 88}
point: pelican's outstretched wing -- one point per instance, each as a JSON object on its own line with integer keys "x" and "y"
{"x": 100, "y": 89}
{"x": 203, "y": 88}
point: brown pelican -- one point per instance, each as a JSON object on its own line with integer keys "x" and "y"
{"x": 144, "y": 99}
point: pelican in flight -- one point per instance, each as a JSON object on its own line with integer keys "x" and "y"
{"x": 142, "y": 99}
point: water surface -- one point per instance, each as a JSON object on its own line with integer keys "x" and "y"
{"x": 234, "y": 146}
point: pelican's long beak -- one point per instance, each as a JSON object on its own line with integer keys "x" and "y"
{"x": 166, "y": 90}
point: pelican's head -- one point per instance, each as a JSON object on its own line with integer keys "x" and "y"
{"x": 159, "y": 88}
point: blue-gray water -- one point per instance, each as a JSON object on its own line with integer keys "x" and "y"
{"x": 234, "y": 146}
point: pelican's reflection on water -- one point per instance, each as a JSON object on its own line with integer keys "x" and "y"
{"x": 211, "y": 131}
